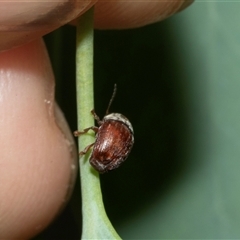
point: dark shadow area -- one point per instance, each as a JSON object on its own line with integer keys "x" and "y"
{"x": 150, "y": 93}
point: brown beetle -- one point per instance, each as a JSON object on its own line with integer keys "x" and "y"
{"x": 114, "y": 140}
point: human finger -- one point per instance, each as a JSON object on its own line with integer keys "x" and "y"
{"x": 37, "y": 157}
{"x": 131, "y": 14}
{"x": 25, "y": 21}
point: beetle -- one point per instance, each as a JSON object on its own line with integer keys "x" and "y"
{"x": 114, "y": 140}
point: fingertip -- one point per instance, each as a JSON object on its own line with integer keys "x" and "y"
{"x": 127, "y": 14}
{"x": 25, "y": 21}
{"x": 37, "y": 148}
{"x": 185, "y": 4}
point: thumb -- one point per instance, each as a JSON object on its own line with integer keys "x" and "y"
{"x": 37, "y": 156}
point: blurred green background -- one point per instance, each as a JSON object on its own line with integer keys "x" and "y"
{"x": 179, "y": 84}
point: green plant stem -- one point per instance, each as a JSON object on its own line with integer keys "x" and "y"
{"x": 96, "y": 224}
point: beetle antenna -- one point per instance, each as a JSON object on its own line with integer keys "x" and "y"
{"x": 112, "y": 98}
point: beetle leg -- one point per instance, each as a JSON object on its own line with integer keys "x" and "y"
{"x": 78, "y": 133}
{"x": 96, "y": 117}
{"x": 85, "y": 150}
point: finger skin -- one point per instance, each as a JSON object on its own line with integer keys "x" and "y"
{"x": 22, "y": 22}
{"x": 37, "y": 156}
{"x": 132, "y": 14}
